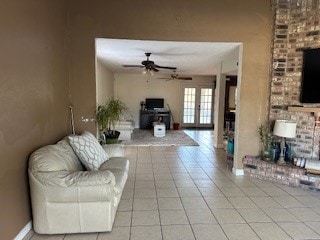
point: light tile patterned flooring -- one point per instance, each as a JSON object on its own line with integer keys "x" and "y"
{"x": 189, "y": 193}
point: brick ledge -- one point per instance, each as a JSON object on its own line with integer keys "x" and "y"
{"x": 285, "y": 174}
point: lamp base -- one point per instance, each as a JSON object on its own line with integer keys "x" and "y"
{"x": 281, "y": 161}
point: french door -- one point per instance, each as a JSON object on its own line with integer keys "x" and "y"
{"x": 197, "y": 106}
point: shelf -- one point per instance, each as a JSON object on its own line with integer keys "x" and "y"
{"x": 304, "y": 109}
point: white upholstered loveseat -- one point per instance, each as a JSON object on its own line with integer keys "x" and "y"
{"x": 66, "y": 198}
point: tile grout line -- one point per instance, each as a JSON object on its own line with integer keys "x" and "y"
{"x": 134, "y": 187}
{"x": 161, "y": 230}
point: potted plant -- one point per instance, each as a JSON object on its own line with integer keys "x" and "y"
{"x": 265, "y": 138}
{"x": 101, "y": 118}
{"x": 107, "y": 117}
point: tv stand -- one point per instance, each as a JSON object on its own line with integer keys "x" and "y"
{"x": 148, "y": 117}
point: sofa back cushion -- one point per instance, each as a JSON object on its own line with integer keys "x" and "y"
{"x": 57, "y": 157}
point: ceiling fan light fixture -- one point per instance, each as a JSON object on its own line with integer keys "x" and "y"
{"x": 149, "y": 66}
{"x": 148, "y": 72}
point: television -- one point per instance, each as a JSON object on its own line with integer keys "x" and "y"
{"x": 152, "y": 103}
{"x": 310, "y": 81}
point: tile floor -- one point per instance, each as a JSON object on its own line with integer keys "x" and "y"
{"x": 189, "y": 193}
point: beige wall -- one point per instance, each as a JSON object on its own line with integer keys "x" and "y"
{"x": 34, "y": 70}
{"x": 247, "y": 21}
{"x": 33, "y": 99}
{"x": 134, "y": 88}
{"x": 104, "y": 83}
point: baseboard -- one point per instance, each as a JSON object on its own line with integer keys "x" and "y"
{"x": 238, "y": 171}
{"x": 24, "y": 231}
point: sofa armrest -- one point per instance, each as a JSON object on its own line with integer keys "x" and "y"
{"x": 75, "y": 179}
{"x": 114, "y": 150}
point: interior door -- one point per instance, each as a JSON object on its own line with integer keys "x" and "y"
{"x": 197, "y": 106}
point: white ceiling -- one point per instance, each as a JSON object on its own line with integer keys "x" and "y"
{"x": 190, "y": 58}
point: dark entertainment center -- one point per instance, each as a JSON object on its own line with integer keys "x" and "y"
{"x": 148, "y": 117}
{"x": 153, "y": 111}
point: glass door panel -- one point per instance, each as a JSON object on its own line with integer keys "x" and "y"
{"x": 197, "y": 106}
{"x": 205, "y": 106}
{"x": 189, "y": 105}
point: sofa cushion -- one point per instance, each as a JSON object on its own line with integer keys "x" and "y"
{"x": 88, "y": 150}
{"x": 57, "y": 157}
{"x": 75, "y": 179}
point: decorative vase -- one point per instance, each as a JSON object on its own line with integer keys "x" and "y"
{"x": 289, "y": 154}
{"x": 266, "y": 155}
{"x": 274, "y": 151}
{"x": 266, "y": 152}
{"x": 230, "y": 146}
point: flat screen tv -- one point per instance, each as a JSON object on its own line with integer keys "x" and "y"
{"x": 152, "y": 103}
{"x": 310, "y": 84}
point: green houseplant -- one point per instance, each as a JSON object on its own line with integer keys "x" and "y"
{"x": 265, "y": 138}
{"x": 108, "y": 115}
{"x": 101, "y": 117}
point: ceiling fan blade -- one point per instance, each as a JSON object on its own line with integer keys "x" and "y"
{"x": 165, "y": 78}
{"x": 153, "y": 68}
{"x": 172, "y": 68}
{"x": 184, "y": 78}
{"x": 139, "y": 66}
{"x": 150, "y": 65}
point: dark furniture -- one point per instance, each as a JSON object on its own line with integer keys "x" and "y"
{"x": 230, "y": 118}
{"x": 148, "y": 117}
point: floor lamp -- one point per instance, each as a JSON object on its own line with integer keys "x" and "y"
{"x": 284, "y": 129}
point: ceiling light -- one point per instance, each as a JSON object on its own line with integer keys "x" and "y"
{"x": 148, "y": 72}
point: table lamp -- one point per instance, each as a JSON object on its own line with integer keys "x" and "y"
{"x": 284, "y": 129}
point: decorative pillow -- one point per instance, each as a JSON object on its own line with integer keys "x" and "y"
{"x": 88, "y": 150}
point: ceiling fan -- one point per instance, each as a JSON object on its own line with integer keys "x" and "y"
{"x": 150, "y": 65}
{"x": 175, "y": 76}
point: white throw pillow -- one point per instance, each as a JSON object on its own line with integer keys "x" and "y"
{"x": 88, "y": 150}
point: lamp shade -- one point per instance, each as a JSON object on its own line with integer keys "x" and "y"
{"x": 285, "y": 128}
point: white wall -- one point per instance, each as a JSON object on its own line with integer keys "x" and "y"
{"x": 230, "y": 62}
{"x": 219, "y": 103}
{"x": 134, "y": 88}
{"x": 104, "y": 83}
{"x": 229, "y": 65}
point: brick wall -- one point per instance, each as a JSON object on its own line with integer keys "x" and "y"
{"x": 284, "y": 174}
{"x": 296, "y": 26}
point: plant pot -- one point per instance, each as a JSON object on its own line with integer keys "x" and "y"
{"x": 111, "y": 136}
{"x": 112, "y": 140}
{"x": 102, "y": 138}
{"x": 176, "y": 126}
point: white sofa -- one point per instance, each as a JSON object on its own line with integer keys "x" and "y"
{"x": 66, "y": 198}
